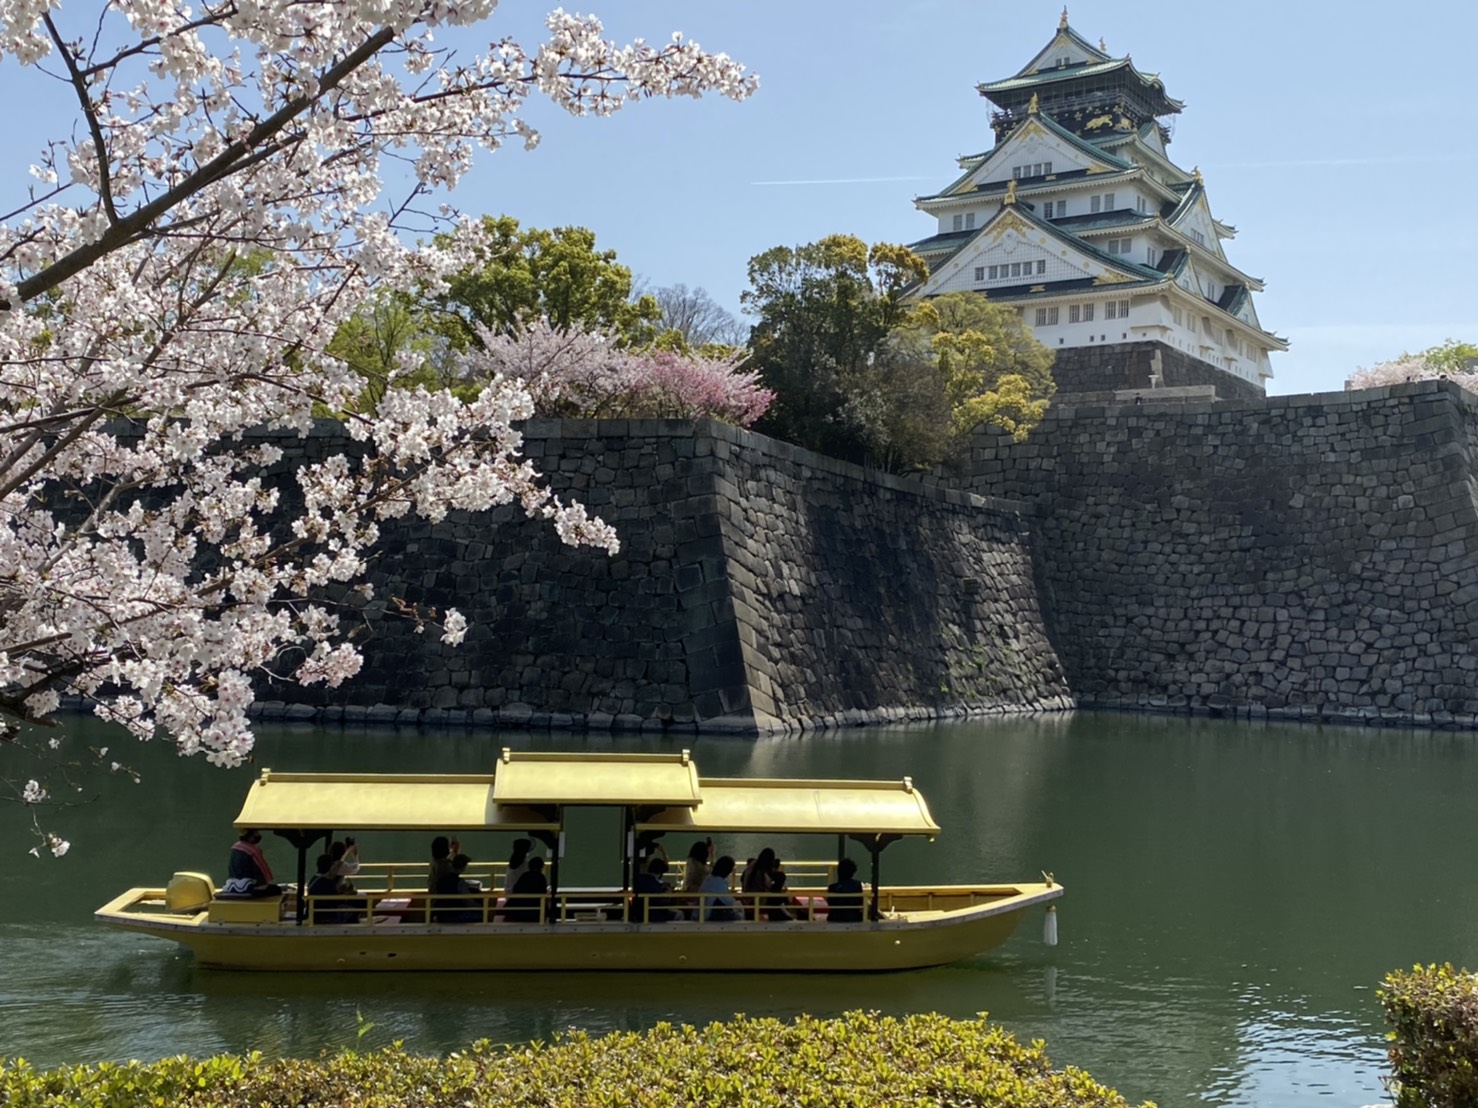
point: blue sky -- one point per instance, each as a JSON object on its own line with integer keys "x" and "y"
{"x": 1335, "y": 137}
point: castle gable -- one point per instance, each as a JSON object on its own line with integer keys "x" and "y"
{"x": 1039, "y": 148}
{"x": 1016, "y": 251}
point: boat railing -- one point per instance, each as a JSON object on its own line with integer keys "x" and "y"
{"x": 385, "y": 907}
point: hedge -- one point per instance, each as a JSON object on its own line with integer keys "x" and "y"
{"x": 861, "y": 1059}
{"x": 1433, "y": 1013}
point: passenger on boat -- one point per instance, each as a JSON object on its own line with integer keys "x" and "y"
{"x": 326, "y": 884}
{"x": 761, "y": 878}
{"x": 247, "y": 871}
{"x": 528, "y": 891}
{"x": 716, "y": 905}
{"x": 696, "y": 867}
{"x": 518, "y": 863}
{"x": 844, "y": 895}
{"x": 652, "y": 904}
{"x": 453, "y": 908}
{"x": 779, "y": 901}
{"x": 346, "y": 857}
{"x": 442, "y": 850}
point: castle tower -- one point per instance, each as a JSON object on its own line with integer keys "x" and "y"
{"x": 1079, "y": 217}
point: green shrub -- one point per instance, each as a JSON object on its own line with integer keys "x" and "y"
{"x": 1433, "y": 1013}
{"x": 859, "y": 1060}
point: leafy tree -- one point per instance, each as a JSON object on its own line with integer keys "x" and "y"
{"x": 524, "y": 274}
{"x": 391, "y": 341}
{"x": 992, "y": 368}
{"x": 824, "y": 311}
{"x": 206, "y": 135}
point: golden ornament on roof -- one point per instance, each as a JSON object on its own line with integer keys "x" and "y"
{"x": 1033, "y": 107}
{"x": 1062, "y": 23}
{"x": 1010, "y": 193}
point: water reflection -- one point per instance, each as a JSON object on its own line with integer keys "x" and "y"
{"x": 1234, "y": 892}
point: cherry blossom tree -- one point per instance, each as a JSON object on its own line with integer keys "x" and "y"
{"x": 588, "y": 374}
{"x": 1457, "y": 361}
{"x": 173, "y": 279}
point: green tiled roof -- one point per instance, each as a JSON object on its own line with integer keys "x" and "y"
{"x": 1045, "y": 77}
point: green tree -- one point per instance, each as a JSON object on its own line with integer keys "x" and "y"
{"x": 558, "y": 275}
{"x": 990, "y": 365}
{"x": 391, "y": 342}
{"x": 824, "y": 311}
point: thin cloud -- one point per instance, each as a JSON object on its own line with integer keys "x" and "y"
{"x": 1333, "y": 162}
{"x": 842, "y": 181}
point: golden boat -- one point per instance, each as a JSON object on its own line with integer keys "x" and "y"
{"x": 397, "y": 924}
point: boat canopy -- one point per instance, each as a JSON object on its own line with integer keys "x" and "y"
{"x": 616, "y": 780}
{"x": 806, "y": 807}
{"x": 529, "y": 790}
{"x": 433, "y": 802}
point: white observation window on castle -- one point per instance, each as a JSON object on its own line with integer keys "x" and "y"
{"x": 980, "y": 273}
{"x": 1108, "y": 201}
{"x": 1041, "y": 266}
{"x": 1095, "y": 204}
{"x": 1047, "y": 317}
{"x": 1087, "y": 313}
{"x": 969, "y": 220}
{"x": 995, "y": 271}
{"x": 1074, "y": 313}
{"x": 958, "y": 223}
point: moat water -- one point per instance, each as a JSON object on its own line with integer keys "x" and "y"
{"x": 1234, "y": 894}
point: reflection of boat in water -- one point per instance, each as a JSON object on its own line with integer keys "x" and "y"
{"x": 398, "y": 924}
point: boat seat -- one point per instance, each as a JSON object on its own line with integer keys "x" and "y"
{"x": 259, "y": 909}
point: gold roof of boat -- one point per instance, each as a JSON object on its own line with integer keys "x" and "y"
{"x": 621, "y": 780}
{"x": 408, "y": 802}
{"x": 529, "y": 790}
{"x": 835, "y": 807}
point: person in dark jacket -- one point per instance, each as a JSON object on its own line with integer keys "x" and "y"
{"x": 844, "y": 895}
{"x": 528, "y": 893}
{"x": 652, "y": 904}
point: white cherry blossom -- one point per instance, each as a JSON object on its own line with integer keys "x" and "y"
{"x": 167, "y": 295}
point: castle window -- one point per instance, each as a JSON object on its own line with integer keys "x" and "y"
{"x": 1111, "y": 310}
{"x": 980, "y": 273}
{"x": 1120, "y": 246}
{"x": 1061, "y": 208}
{"x": 995, "y": 271}
{"x": 1047, "y": 210}
{"x": 1016, "y": 269}
{"x": 1041, "y": 266}
{"x": 959, "y": 222}
{"x": 1047, "y": 169}
{"x": 1047, "y": 317}
{"x": 1087, "y": 313}
{"x": 1108, "y": 201}
{"x": 1074, "y": 313}
{"x": 1095, "y": 204}
{"x": 969, "y": 220}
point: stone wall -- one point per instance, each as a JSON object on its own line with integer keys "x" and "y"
{"x": 1129, "y": 365}
{"x": 1304, "y": 557}
{"x": 759, "y": 587}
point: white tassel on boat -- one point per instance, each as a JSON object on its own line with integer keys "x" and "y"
{"x": 1049, "y": 926}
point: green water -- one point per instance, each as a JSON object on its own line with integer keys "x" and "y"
{"x": 1234, "y": 894}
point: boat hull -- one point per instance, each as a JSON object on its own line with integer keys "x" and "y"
{"x": 907, "y": 939}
